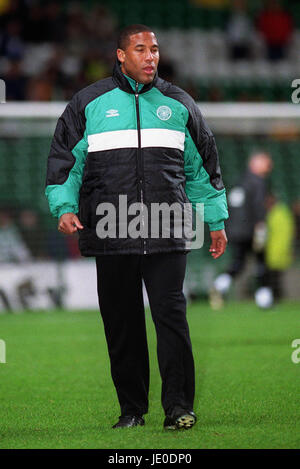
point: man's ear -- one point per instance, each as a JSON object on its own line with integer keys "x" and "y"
{"x": 121, "y": 55}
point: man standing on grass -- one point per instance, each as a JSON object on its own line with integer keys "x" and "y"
{"x": 247, "y": 229}
{"x": 136, "y": 136}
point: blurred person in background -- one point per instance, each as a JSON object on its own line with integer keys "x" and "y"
{"x": 56, "y": 246}
{"x": 16, "y": 9}
{"x": 64, "y": 47}
{"x": 31, "y": 232}
{"x": 102, "y": 25}
{"x": 12, "y": 245}
{"x": 11, "y": 42}
{"x": 210, "y": 3}
{"x": 16, "y": 82}
{"x": 54, "y": 21}
{"x": 4, "y": 6}
{"x": 239, "y": 31}
{"x": 34, "y": 24}
{"x": 246, "y": 227}
{"x": 276, "y": 27}
{"x": 296, "y": 213}
{"x": 279, "y": 246}
{"x": 41, "y": 86}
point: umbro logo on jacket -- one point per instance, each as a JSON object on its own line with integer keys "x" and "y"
{"x": 112, "y": 113}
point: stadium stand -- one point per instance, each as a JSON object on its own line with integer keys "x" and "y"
{"x": 50, "y": 49}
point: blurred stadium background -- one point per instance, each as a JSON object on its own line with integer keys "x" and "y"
{"x": 237, "y": 59}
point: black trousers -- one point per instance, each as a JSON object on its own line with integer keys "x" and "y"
{"x": 122, "y": 309}
{"x": 275, "y": 282}
{"x": 240, "y": 250}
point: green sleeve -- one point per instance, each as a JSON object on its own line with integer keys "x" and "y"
{"x": 66, "y": 161}
{"x": 63, "y": 198}
{"x": 199, "y": 188}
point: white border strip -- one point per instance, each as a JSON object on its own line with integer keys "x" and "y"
{"x": 162, "y": 138}
{"x": 113, "y": 140}
{"x": 129, "y": 139}
{"x": 223, "y": 118}
{"x": 42, "y": 110}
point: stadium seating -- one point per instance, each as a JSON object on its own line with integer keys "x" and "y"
{"x": 184, "y": 14}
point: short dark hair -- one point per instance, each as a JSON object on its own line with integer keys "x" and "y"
{"x": 123, "y": 39}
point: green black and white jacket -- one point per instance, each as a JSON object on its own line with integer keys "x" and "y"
{"x": 148, "y": 142}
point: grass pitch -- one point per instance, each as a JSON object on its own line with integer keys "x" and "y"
{"x": 56, "y": 390}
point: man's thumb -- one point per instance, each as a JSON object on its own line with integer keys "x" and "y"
{"x": 77, "y": 223}
{"x": 213, "y": 245}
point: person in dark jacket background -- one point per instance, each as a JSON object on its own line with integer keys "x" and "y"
{"x": 138, "y": 136}
{"x": 246, "y": 228}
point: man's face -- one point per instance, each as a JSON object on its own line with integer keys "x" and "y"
{"x": 261, "y": 164}
{"x": 140, "y": 58}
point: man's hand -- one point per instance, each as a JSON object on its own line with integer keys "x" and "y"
{"x": 69, "y": 223}
{"x": 219, "y": 242}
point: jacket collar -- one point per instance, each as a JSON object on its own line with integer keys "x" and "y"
{"x": 122, "y": 82}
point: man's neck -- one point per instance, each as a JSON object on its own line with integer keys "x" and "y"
{"x": 133, "y": 82}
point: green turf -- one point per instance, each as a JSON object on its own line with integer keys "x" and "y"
{"x": 56, "y": 390}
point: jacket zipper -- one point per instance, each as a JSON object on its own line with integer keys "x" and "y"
{"x": 139, "y": 165}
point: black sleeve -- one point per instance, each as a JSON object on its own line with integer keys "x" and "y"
{"x": 205, "y": 144}
{"x": 69, "y": 131}
{"x": 258, "y": 201}
{"x": 200, "y": 132}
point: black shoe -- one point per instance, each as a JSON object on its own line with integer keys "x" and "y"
{"x": 129, "y": 421}
{"x": 180, "y": 419}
